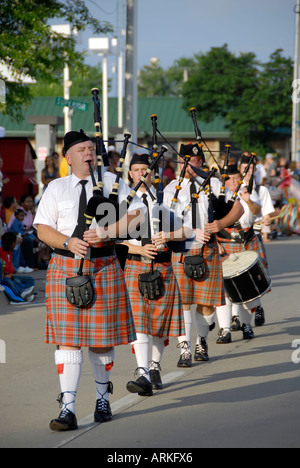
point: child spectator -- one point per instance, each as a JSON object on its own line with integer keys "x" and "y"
{"x": 22, "y": 287}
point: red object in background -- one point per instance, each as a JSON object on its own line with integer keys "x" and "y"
{"x": 18, "y": 166}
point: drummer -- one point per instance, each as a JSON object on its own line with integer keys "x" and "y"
{"x": 233, "y": 240}
{"x": 267, "y": 211}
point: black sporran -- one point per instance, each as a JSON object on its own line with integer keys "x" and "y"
{"x": 79, "y": 289}
{"x": 194, "y": 266}
{"x": 151, "y": 285}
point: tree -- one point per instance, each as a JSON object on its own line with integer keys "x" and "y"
{"x": 82, "y": 82}
{"x": 254, "y": 98}
{"x": 218, "y": 81}
{"x": 28, "y": 45}
{"x": 152, "y": 80}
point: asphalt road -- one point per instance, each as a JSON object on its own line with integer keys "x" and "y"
{"x": 247, "y": 395}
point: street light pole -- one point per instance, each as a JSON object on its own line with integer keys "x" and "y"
{"x": 131, "y": 102}
{"x": 105, "y": 98}
{"x": 296, "y": 84}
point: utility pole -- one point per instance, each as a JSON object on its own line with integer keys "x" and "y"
{"x": 131, "y": 103}
{"x": 296, "y": 86}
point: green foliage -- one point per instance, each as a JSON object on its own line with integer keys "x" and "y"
{"x": 254, "y": 98}
{"x": 28, "y": 44}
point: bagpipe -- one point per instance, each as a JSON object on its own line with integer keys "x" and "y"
{"x": 79, "y": 289}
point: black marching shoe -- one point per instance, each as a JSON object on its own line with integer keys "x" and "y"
{"x": 259, "y": 316}
{"x": 142, "y": 385}
{"x": 185, "y": 359}
{"x": 247, "y": 332}
{"x": 66, "y": 420}
{"x": 224, "y": 336}
{"x": 235, "y": 324}
{"x": 155, "y": 376}
{"x": 103, "y": 411}
{"x": 201, "y": 351}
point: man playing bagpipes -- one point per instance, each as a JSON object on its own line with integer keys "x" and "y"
{"x": 235, "y": 239}
{"x": 204, "y": 287}
{"x": 106, "y": 321}
{"x": 152, "y": 286}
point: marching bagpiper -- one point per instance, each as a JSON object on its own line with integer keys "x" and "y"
{"x": 235, "y": 239}
{"x": 205, "y": 291}
{"x": 157, "y": 309}
{"x": 107, "y": 321}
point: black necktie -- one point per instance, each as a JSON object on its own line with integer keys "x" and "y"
{"x": 147, "y": 240}
{"x": 195, "y": 213}
{"x": 81, "y": 222}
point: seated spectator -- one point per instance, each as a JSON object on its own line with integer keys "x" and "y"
{"x": 10, "y": 206}
{"x": 22, "y": 287}
{"x": 26, "y": 203}
{"x": 29, "y": 241}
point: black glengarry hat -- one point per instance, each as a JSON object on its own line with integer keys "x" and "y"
{"x": 73, "y": 138}
{"x": 233, "y": 169}
{"x": 192, "y": 150}
{"x": 139, "y": 159}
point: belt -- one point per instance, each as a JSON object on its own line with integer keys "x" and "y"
{"x": 239, "y": 237}
{"x": 161, "y": 257}
{"x": 91, "y": 253}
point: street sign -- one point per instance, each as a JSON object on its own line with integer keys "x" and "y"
{"x": 83, "y": 106}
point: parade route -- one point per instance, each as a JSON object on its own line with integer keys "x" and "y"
{"x": 245, "y": 396}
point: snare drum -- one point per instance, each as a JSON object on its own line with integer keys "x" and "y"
{"x": 245, "y": 277}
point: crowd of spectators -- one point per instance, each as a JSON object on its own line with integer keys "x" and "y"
{"x": 21, "y": 252}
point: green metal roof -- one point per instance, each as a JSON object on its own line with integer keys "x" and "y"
{"x": 172, "y": 119}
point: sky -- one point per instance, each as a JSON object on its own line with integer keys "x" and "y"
{"x": 171, "y": 29}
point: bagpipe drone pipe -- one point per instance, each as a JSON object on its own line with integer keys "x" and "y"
{"x": 164, "y": 218}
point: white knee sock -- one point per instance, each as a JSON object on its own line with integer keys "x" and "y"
{"x": 141, "y": 350}
{"x": 235, "y": 310}
{"x": 203, "y": 325}
{"x": 224, "y": 315}
{"x": 68, "y": 364}
{"x": 245, "y": 315}
{"x": 158, "y": 347}
{"x": 102, "y": 364}
{"x": 188, "y": 322}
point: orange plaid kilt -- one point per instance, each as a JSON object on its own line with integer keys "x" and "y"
{"x": 209, "y": 290}
{"x": 106, "y": 322}
{"x": 233, "y": 247}
{"x": 162, "y": 317}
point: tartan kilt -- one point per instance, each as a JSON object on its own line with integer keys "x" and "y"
{"x": 106, "y": 322}
{"x": 162, "y": 317}
{"x": 254, "y": 244}
{"x": 209, "y": 290}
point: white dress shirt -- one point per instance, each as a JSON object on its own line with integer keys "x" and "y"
{"x": 184, "y": 198}
{"x": 59, "y": 205}
{"x": 248, "y": 218}
{"x": 178, "y": 223}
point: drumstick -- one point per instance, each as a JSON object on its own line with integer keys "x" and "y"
{"x": 271, "y": 219}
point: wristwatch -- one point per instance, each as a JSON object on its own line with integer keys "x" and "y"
{"x": 65, "y": 244}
